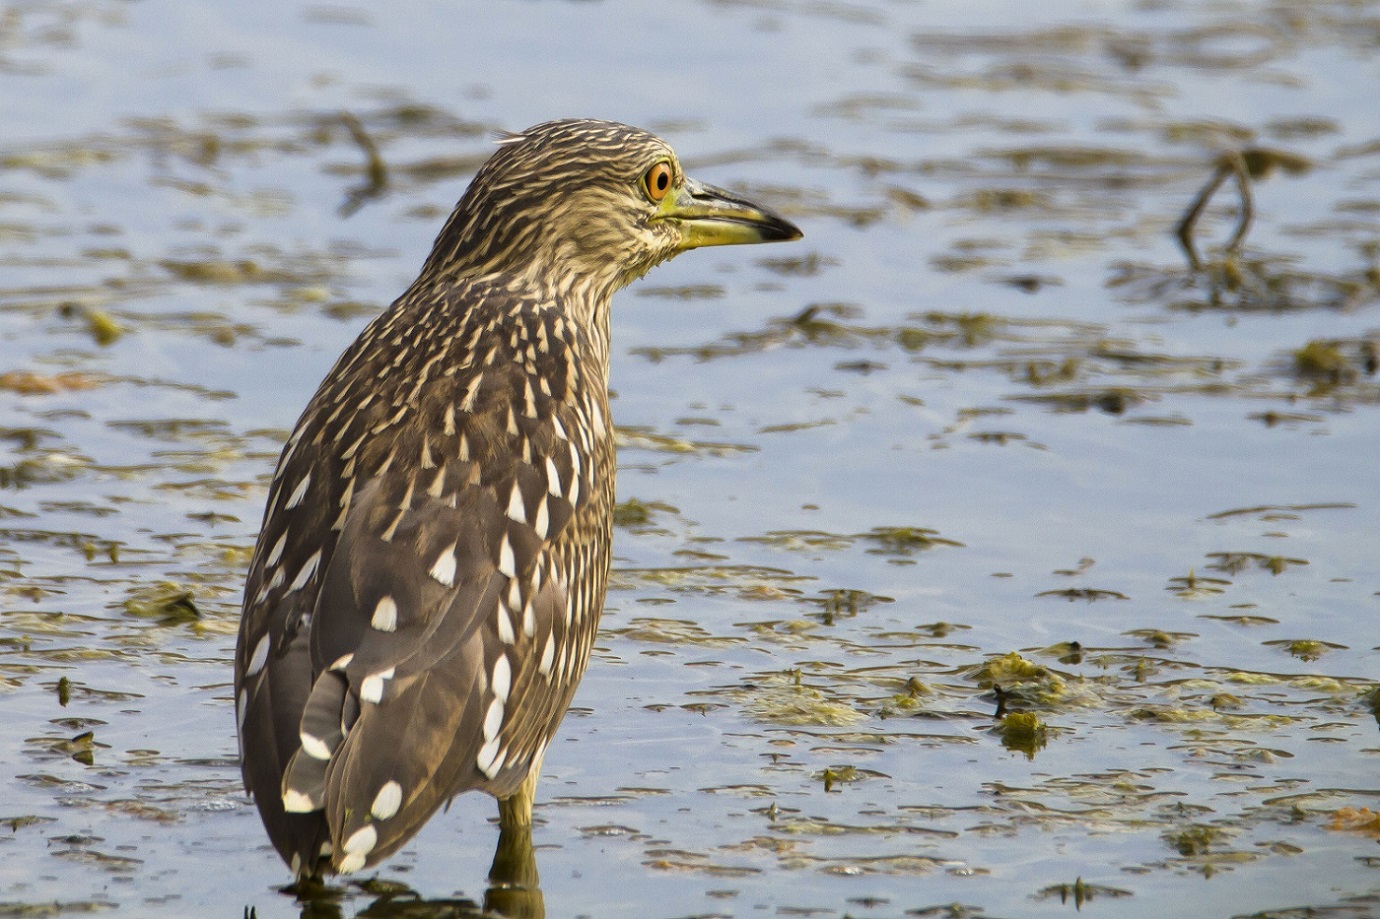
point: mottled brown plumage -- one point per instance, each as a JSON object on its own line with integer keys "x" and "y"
{"x": 428, "y": 580}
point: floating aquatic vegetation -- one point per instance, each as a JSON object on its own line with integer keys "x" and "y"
{"x": 684, "y": 292}
{"x": 167, "y": 602}
{"x": 1236, "y": 562}
{"x": 802, "y": 540}
{"x": 1090, "y": 594}
{"x": 1248, "y": 284}
{"x": 1245, "y": 619}
{"x": 1196, "y": 839}
{"x": 1355, "y": 820}
{"x": 808, "y": 265}
{"x": 834, "y": 776}
{"x": 785, "y": 699}
{"x": 1337, "y": 363}
{"x": 1196, "y": 587}
{"x": 751, "y": 581}
{"x": 1305, "y": 649}
{"x": 905, "y": 540}
{"x": 80, "y": 748}
{"x": 1022, "y": 732}
{"x": 1024, "y": 684}
{"x": 103, "y": 328}
{"x": 636, "y": 514}
{"x": 28, "y": 383}
{"x": 1278, "y": 511}
{"x": 846, "y": 603}
{"x": 1080, "y": 893}
{"x": 1159, "y": 638}
{"x": 675, "y": 632}
{"x": 635, "y": 438}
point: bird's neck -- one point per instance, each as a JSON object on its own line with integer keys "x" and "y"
{"x": 470, "y": 302}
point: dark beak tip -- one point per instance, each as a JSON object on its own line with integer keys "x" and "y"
{"x": 781, "y": 230}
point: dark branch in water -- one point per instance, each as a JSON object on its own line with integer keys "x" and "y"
{"x": 1252, "y": 163}
{"x": 376, "y": 173}
{"x": 1227, "y": 164}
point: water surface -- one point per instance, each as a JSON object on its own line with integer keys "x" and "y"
{"x": 987, "y": 560}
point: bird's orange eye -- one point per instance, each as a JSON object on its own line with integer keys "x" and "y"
{"x": 658, "y": 181}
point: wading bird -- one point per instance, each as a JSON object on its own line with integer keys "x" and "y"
{"x": 431, "y": 568}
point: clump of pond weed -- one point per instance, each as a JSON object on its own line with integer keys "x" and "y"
{"x": 785, "y": 698}
{"x": 1023, "y": 683}
{"x": 1022, "y": 732}
{"x": 167, "y": 602}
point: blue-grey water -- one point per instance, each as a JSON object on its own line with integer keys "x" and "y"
{"x": 982, "y": 427}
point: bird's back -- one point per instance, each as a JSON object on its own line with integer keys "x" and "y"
{"x": 427, "y": 583}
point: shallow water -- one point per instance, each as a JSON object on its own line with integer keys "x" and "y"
{"x": 983, "y": 427}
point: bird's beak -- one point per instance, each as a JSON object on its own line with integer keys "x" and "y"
{"x": 709, "y": 216}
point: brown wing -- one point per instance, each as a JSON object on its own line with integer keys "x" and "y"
{"x": 443, "y": 620}
{"x": 273, "y": 672}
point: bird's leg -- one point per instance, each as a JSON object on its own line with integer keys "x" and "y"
{"x": 514, "y": 885}
{"x": 516, "y": 810}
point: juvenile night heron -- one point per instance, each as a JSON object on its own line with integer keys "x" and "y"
{"x": 429, "y": 576}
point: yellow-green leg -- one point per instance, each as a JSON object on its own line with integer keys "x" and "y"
{"x": 514, "y": 885}
{"x": 517, "y": 810}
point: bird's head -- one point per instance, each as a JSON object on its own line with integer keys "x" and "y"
{"x": 592, "y": 205}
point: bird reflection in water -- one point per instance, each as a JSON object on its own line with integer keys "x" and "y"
{"x": 514, "y": 890}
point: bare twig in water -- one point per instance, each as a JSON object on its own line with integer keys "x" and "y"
{"x": 1229, "y": 163}
{"x": 376, "y": 173}
{"x": 1252, "y": 163}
